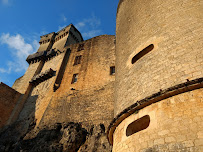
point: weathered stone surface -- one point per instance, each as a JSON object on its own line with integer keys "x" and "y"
{"x": 174, "y": 29}
{"x": 69, "y": 137}
{"x": 173, "y": 126}
{"x": 177, "y": 54}
{"x": 73, "y": 137}
{"x": 96, "y": 140}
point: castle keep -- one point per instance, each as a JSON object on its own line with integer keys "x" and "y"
{"x": 68, "y": 80}
{"x": 140, "y": 92}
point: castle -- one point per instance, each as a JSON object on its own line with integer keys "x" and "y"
{"x": 138, "y": 91}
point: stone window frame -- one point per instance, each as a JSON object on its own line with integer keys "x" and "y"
{"x": 75, "y": 78}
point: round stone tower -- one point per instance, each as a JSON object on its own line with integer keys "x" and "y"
{"x": 159, "y": 76}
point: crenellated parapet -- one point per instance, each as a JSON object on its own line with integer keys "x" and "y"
{"x": 58, "y": 40}
{"x": 62, "y": 33}
{"x": 47, "y": 38}
{"x": 36, "y": 57}
{"x": 46, "y": 41}
{"x": 42, "y": 56}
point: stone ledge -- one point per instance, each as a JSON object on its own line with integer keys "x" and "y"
{"x": 162, "y": 94}
{"x": 43, "y": 55}
{"x": 36, "y": 56}
{"x": 42, "y": 77}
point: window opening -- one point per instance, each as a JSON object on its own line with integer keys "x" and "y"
{"x": 75, "y": 78}
{"x": 77, "y": 60}
{"x": 142, "y": 53}
{"x": 138, "y": 125}
{"x": 81, "y": 47}
{"x": 112, "y": 70}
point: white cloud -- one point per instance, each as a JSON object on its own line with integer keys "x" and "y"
{"x": 20, "y": 51}
{"x": 80, "y": 25}
{"x": 61, "y": 27}
{"x": 92, "y": 33}
{"x": 92, "y": 22}
{"x": 89, "y": 27}
{"x": 35, "y": 45}
{"x": 63, "y": 18}
{"x": 5, "y": 2}
{"x": 2, "y": 70}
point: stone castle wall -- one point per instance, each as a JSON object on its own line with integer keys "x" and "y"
{"x": 175, "y": 29}
{"x": 22, "y": 83}
{"x": 158, "y": 46}
{"x": 175, "y": 124}
{"x": 8, "y": 100}
{"x": 46, "y": 42}
{"x": 90, "y": 100}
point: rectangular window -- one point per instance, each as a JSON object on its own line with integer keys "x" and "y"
{"x": 75, "y": 78}
{"x": 112, "y": 70}
{"x": 81, "y": 47}
{"x": 77, "y": 60}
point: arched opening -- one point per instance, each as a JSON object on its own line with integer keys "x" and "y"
{"x": 138, "y": 125}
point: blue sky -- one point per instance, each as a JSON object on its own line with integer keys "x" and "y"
{"x": 22, "y": 22}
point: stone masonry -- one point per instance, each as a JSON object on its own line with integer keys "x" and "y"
{"x": 159, "y": 74}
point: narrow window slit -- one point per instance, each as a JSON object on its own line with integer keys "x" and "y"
{"x": 112, "y": 70}
{"x": 142, "y": 53}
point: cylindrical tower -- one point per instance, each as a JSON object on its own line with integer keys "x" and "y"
{"x": 159, "y": 73}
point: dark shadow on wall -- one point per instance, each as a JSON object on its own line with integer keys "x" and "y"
{"x": 18, "y": 130}
{"x": 62, "y": 69}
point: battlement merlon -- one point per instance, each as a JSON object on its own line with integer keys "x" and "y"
{"x": 67, "y": 29}
{"x": 74, "y": 36}
{"x": 46, "y": 42}
{"x": 70, "y": 32}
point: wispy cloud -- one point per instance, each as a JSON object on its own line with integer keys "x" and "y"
{"x": 89, "y": 27}
{"x": 5, "y": 2}
{"x": 20, "y": 51}
{"x": 35, "y": 45}
{"x": 80, "y": 25}
{"x": 61, "y": 27}
{"x": 64, "y": 18}
{"x": 91, "y": 33}
{"x": 2, "y": 70}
